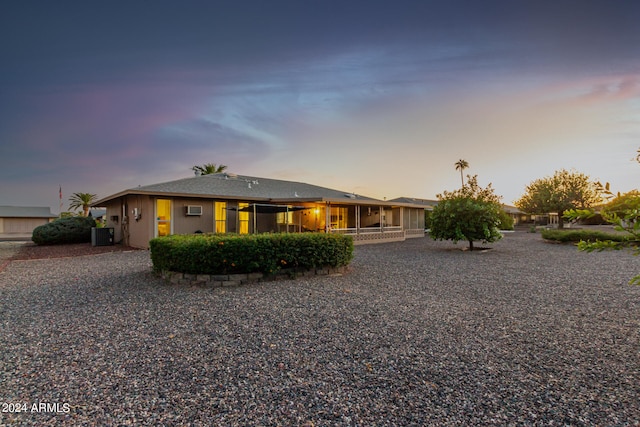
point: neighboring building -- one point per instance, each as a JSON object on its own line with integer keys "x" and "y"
{"x": 22, "y": 219}
{"x": 99, "y": 215}
{"x": 230, "y": 203}
{"x": 427, "y": 204}
{"x": 517, "y": 215}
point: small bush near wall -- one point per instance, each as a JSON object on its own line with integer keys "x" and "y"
{"x": 565, "y": 236}
{"x": 264, "y": 253}
{"x": 506, "y": 221}
{"x": 76, "y": 229}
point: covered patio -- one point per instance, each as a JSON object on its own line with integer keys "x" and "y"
{"x": 365, "y": 222}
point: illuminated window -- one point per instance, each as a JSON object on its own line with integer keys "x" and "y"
{"x": 339, "y": 217}
{"x": 285, "y": 217}
{"x": 163, "y": 217}
{"x": 243, "y": 218}
{"x": 220, "y": 209}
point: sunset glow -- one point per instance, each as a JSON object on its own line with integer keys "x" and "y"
{"x": 377, "y": 98}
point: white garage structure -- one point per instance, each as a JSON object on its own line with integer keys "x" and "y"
{"x": 23, "y": 219}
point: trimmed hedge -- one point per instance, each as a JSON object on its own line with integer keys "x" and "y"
{"x": 76, "y": 229}
{"x": 576, "y": 236}
{"x": 264, "y": 253}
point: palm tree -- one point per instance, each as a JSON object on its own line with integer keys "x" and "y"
{"x": 208, "y": 168}
{"x": 82, "y": 200}
{"x": 462, "y": 165}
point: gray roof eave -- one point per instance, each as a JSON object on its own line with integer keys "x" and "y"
{"x": 133, "y": 192}
{"x": 251, "y": 189}
{"x": 26, "y": 212}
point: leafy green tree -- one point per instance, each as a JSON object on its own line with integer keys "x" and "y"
{"x": 461, "y": 165}
{"x": 82, "y": 200}
{"x": 624, "y": 213}
{"x": 427, "y": 219}
{"x": 563, "y": 191}
{"x": 208, "y": 169}
{"x": 621, "y": 204}
{"x": 471, "y": 213}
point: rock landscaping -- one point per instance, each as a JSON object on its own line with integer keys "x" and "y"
{"x": 411, "y": 334}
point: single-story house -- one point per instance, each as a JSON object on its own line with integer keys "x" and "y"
{"x": 230, "y": 203}
{"x": 23, "y": 219}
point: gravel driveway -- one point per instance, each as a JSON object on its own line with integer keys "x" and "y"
{"x": 416, "y": 333}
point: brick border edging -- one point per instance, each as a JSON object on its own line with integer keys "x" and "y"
{"x": 228, "y": 280}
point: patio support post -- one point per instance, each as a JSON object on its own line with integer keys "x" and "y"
{"x": 327, "y": 217}
{"x": 381, "y": 219}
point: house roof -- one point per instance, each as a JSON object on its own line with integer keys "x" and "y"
{"x": 426, "y": 203}
{"x": 511, "y": 209}
{"x": 242, "y": 187}
{"x": 432, "y": 203}
{"x": 26, "y": 212}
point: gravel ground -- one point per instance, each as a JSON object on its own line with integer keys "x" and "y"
{"x": 415, "y": 333}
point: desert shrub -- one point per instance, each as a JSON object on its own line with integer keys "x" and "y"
{"x": 264, "y": 253}
{"x": 575, "y": 236}
{"x": 75, "y": 229}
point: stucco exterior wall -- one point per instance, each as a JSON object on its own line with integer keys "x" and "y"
{"x": 189, "y": 224}
{"x": 140, "y": 220}
{"x": 132, "y": 218}
{"x": 21, "y": 225}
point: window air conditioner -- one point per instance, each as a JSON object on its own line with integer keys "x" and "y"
{"x": 194, "y": 210}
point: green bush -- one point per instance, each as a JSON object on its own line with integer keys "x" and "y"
{"x": 76, "y": 229}
{"x": 506, "y": 221}
{"x": 264, "y": 253}
{"x": 576, "y": 236}
{"x": 427, "y": 219}
{"x": 464, "y": 218}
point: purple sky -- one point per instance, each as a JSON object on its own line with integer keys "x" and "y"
{"x": 376, "y": 97}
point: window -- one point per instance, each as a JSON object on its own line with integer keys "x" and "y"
{"x": 220, "y": 209}
{"x": 163, "y": 217}
{"x": 243, "y": 218}
{"x": 339, "y": 217}
{"x": 285, "y": 217}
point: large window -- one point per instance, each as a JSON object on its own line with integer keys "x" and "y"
{"x": 339, "y": 217}
{"x": 220, "y": 218}
{"x": 243, "y": 218}
{"x": 391, "y": 217}
{"x": 163, "y": 217}
{"x": 285, "y": 217}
